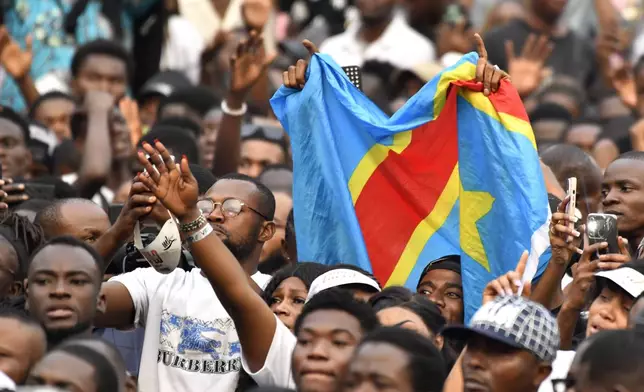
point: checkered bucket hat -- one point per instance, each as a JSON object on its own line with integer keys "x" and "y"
{"x": 515, "y": 321}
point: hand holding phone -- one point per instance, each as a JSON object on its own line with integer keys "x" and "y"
{"x": 572, "y": 202}
{"x": 603, "y": 228}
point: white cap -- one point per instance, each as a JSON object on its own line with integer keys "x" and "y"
{"x": 627, "y": 278}
{"x": 164, "y": 253}
{"x": 340, "y": 277}
{"x": 6, "y": 382}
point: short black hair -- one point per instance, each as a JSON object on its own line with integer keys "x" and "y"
{"x": 390, "y": 297}
{"x": 427, "y": 311}
{"x": 266, "y": 199}
{"x": 49, "y": 218}
{"x": 427, "y": 368}
{"x": 178, "y": 141}
{"x": 74, "y": 243}
{"x": 105, "y": 375}
{"x": 46, "y": 97}
{"x": 184, "y": 123}
{"x": 101, "y": 47}
{"x": 341, "y": 300}
{"x": 306, "y": 272}
{"x": 13, "y": 117}
{"x": 200, "y": 99}
{"x": 567, "y": 161}
{"x": 633, "y": 155}
{"x": 615, "y": 357}
{"x": 108, "y": 349}
{"x": 278, "y": 182}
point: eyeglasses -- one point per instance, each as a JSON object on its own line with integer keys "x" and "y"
{"x": 562, "y": 384}
{"x": 229, "y": 208}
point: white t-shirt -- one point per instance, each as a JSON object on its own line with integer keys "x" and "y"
{"x": 560, "y": 368}
{"x": 277, "y": 368}
{"x": 190, "y": 341}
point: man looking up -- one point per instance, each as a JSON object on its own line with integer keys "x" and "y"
{"x": 64, "y": 288}
{"x": 190, "y": 340}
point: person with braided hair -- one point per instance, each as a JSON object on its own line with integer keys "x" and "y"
{"x": 18, "y": 239}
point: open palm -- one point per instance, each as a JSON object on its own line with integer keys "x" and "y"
{"x": 16, "y": 62}
{"x": 174, "y": 186}
{"x": 248, "y": 64}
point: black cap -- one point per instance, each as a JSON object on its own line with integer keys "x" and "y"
{"x": 163, "y": 84}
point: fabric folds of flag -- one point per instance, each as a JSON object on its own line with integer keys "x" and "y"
{"x": 451, "y": 172}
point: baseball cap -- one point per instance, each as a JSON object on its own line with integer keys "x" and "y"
{"x": 340, "y": 277}
{"x": 627, "y": 278}
{"x": 515, "y": 321}
{"x": 163, "y": 84}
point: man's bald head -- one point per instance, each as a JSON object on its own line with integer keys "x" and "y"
{"x": 79, "y": 218}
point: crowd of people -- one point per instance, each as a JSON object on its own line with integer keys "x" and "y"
{"x": 147, "y": 231}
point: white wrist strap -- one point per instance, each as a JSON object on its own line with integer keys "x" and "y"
{"x": 233, "y": 112}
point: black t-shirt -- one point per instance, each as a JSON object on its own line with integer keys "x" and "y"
{"x": 572, "y": 55}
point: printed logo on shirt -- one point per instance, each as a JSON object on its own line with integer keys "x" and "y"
{"x": 196, "y": 345}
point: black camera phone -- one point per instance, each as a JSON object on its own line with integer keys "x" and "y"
{"x": 603, "y": 228}
{"x": 40, "y": 191}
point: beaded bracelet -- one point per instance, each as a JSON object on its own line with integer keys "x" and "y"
{"x": 194, "y": 225}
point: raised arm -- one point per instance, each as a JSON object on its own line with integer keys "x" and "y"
{"x": 175, "y": 186}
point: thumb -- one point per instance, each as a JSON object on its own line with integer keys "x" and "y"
{"x": 310, "y": 46}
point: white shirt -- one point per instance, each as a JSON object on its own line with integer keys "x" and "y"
{"x": 183, "y": 48}
{"x": 190, "y": 341}
{"x": 6, "y": 382}
{"x": 277, "y": 368}
{"x": 106, "y": 192}
{"x": 560, "y": 368}
{"x": 399, "y": 45}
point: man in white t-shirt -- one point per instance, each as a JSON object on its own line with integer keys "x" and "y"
{"x": 191, "y": 343}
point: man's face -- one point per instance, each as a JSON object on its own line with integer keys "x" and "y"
{"x": 610, "y": 310}
{"x": 62, "y": 370}
{"x": 9, "y": 266}
{"x": 377, "y": 365}
{"x": 549, "y": 10}
{"x": 375, "y": 11}
{"x": 584, "y": 136}
{"x": 63, "y": 289}
{"x": 101, "y": 73}
{"x": 492, "y": 366}
{"x": 445, "y": 289}
{"x": 84, "y": 221}
{"x": 56, "y": 114}
{"x": 21, "y": 346}
{"x": 14, "y": 154}
{"x": 257, "y": 154}
{"x": 242, "y": 234}
{"x": 623, "y": 194}
{"x": 325, "y": 343}
{"x": 283, "y": 205}
{"x": 423, "y": 11}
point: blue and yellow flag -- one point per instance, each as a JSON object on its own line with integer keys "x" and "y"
{"x": 452, "y": 172}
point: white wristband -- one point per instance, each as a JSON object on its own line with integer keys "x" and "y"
{"x": 233, "y": 112}
{"x": 200, "y": 235}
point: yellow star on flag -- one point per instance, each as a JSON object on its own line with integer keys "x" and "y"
{"x": 473, "y": 207}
